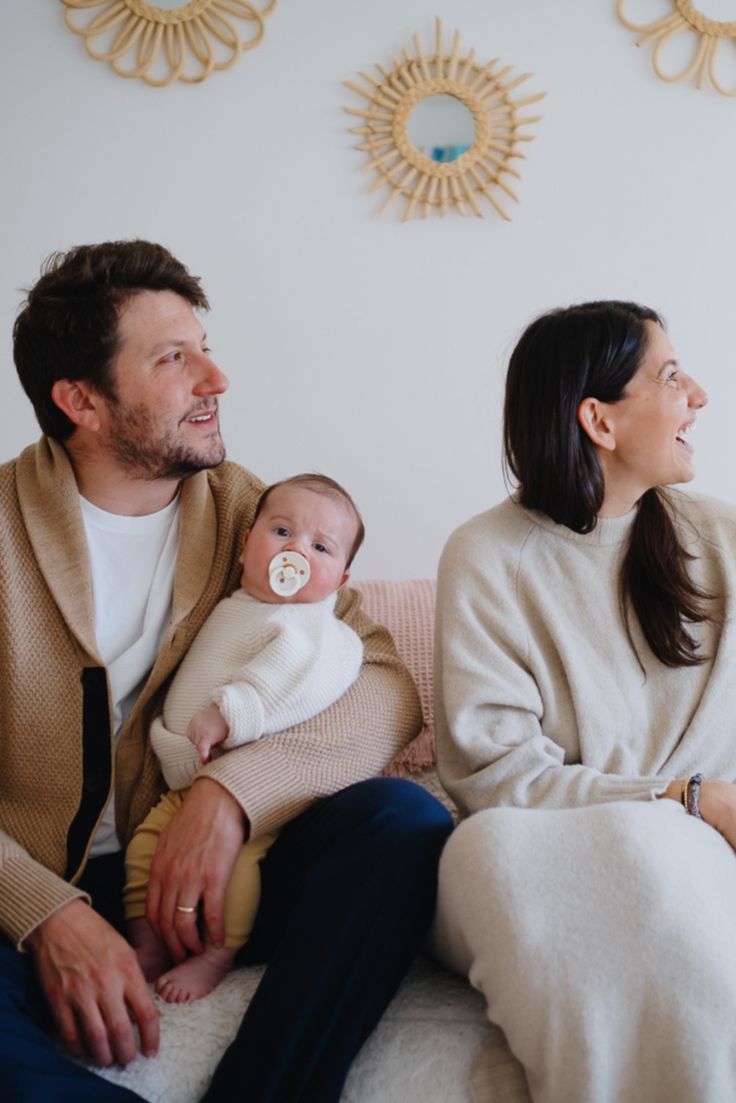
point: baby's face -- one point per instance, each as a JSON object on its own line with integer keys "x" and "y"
{"x": 318, "y": 526}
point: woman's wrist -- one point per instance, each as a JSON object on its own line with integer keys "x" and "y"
{"x": 675, "y": 790}
{"x": 718, "y": 805}
{"x": 687, "y": 792}
{"x": 716, "y": 802}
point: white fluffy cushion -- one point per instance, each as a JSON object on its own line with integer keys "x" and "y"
{"x": 422, "y": 1050}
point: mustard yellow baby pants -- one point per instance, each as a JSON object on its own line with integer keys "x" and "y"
{"x": 243, "y": 893}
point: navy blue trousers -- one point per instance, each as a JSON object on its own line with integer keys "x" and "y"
{"x": 348, "y": 893}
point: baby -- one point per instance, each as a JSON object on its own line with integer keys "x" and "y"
{"x": 270, "y": 656}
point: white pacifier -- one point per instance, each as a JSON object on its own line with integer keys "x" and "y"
{"x": 287, "y": 573}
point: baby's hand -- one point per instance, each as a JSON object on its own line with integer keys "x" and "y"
{"x": 207, "y": 728}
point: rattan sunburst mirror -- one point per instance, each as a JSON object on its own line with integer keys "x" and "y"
{"x": 707, "y": 33}
{"x": 473, "y": 171}
{"x": 172, "y": 40}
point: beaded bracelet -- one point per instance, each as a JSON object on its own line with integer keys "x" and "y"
{"x": 691, "y": 796}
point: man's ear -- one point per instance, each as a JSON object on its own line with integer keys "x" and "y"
{"x": 77, "y": 400}
{"x": 345, "y": 577}
{"x": 596, "y": 419}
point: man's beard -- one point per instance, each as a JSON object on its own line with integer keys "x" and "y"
{"x": 146, "y": 451}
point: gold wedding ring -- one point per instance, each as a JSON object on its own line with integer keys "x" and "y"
{"x": 185, "y": 911}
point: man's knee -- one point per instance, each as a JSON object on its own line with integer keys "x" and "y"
{"x": 400, "y": 808}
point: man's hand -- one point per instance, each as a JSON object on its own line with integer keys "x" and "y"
{"x": 193, "y": 863}
{"x": 206, "y": 729}
{"x": 94, "y": 986}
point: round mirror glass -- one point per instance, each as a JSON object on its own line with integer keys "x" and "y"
{"x": 168, "y": 4}
{"x": 441, "y": 127}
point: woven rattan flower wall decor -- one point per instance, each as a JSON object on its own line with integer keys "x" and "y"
{"x": 686, "y": 18}
{"x": 183, "y": 40}
{"x": 476, "y": 171}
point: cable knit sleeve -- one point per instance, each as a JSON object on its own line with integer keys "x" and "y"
{"x": 540, "y": 699}
{"x": 29, "y": 893}
{"x": 275, "y": 779}
{"x": 179, "y": 759}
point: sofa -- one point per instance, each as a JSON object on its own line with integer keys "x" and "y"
{"x": 433, "y": 1041}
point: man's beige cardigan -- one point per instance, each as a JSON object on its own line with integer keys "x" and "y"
{"x": 57, "y": 768}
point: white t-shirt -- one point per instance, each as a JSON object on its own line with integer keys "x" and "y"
{"x": 133, "y": 562}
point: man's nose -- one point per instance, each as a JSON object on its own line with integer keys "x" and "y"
{"x": 211, "y": 380}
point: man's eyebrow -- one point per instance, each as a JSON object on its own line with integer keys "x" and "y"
{"x": 175, "y": 342}
{"x": 168, "y": 344}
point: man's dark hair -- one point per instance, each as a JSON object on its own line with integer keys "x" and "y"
{"x": 68, "y": 325}
{"x": 319, "y": 484}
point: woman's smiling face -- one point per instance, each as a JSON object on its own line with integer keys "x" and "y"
{"x": 650, "y": 425}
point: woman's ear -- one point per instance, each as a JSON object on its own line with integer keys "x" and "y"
{"x": 596, "y": 419}
{"x": 75, "y": 398}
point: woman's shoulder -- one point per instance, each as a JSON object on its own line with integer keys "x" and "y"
{"x": 704, "y": 522}
{"x": 503, "y": 524}
{"x": 701, "y": 509}
{"x": 488, "y": 545}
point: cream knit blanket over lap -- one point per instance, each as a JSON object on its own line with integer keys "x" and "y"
{"x": 598, "y": 922}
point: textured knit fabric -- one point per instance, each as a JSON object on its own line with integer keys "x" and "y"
{"x": 407, "y": 610}
{"x": 266, "y": 667}
{"x": 58, "y": 769}
{"x": 535, "y": 671}
{"x": 598, "y": 922}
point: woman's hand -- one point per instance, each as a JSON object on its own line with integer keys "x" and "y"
{"x": 717, "y": 805}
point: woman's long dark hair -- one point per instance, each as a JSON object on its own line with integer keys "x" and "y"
{"x": 593, "y": 350}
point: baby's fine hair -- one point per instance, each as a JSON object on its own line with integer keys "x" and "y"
{"x": 320, "y": 484}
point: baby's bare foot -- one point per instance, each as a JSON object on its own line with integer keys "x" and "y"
{"x": 153, "y": 957}
{"x": 196, "y": 976}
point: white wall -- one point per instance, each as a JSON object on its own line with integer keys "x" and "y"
{"x": 370, "y": 349}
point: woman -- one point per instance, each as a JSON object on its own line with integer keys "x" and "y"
{"x": 586, "y": 672}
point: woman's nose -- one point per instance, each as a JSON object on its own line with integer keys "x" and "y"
{"x": 697, "y": 395}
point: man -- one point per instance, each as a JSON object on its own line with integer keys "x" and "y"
{"x": 121, "y": 530}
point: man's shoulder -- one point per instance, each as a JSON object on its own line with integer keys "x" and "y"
{"x": 228, "y": 473}
{"x": 7, "y": 471}
{"x": 8, "y": 468}
{"x": 8, "y": 486}
{"x": 230, "y": 481}
{"x": 24, "y": 466}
